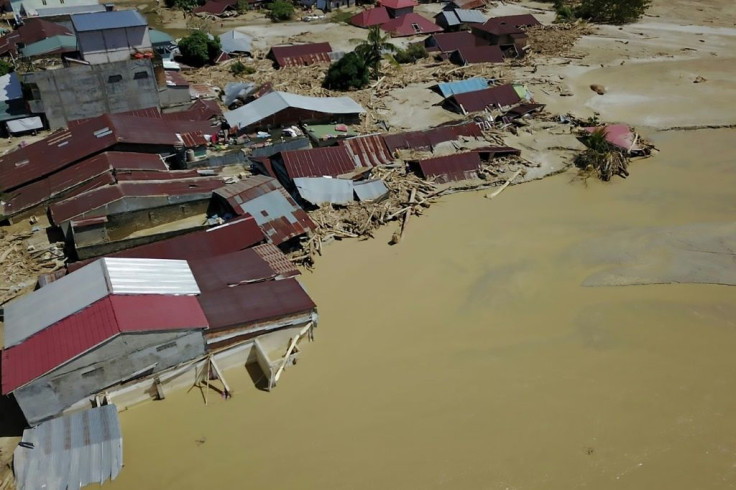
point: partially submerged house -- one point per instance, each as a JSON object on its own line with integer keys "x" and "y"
{"x": 429, "y": 138}
{"x": 368, "y": 150}
{"x": 300, "y": 54}
{"x": 117, "y": 35}
{"x": 446, "y": 89}
{"x": 107, "y": 323}
{"x": 316, "y": 162}
{"x": 457, "y": 19}
{"x": 447, "y": 42}
{"x": 476, "y": 54}
{"x": 278, "y": 109}
{"x": 371, "y": 17}
{"x": 410, "y": 24}
{"x": 398, "y": 8}
{"x": 449, "y": 168}
{"x": 507, "y": 32}
{"x": 280, "y": 218}
{"x": 491, "y": 98}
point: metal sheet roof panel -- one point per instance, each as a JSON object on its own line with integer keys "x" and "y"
{"x": 318, "y": 162}
{"x": 321, "y": 190}
{"x": 461, "y": 86}
{"x": 223, "y": 271}
{"x": 459, "y": 166}
{"x": 116, "y": 19}
{"x": 368, "y": 150}
{"x": 149, "y": 276}
{"x": 370, "y": 190}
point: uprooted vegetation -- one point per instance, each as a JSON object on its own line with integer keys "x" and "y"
{"x": 601, "y": 159}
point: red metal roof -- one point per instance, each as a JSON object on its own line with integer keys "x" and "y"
{"x": 410, "y": 25}
{"x": 174, "y": 79}
{"x": 200, "y": 110}
{"x": 32, "y": 30}
{"x": 276, "y": 259}
{"x": 99, "y": 322}
{"x": 504, "y": 95}
{"x": 300, "y": 54}
{"x": 468, "y": 4}
{"x": 478, "y": 54}
{"x": 235, "y": 235}
{"x": 92, "y": 203}
{"x": 459, "y": 166}
{"x": 429, "y": 138}
{"x": 508, "y": 24}
{"x": 368, "y": 151}
{"x": 62, "y": 148}
{"x": 318, "y": 162}
{"x": 236, "y": 268}
{"x": 278, "y": 215}
{"x": 371, "y": 17}
{"x": 398, "y": 4}
{"x": 450, "y": 41}
{"x": 254, "y": 303}
{"x": 215, "y": 7}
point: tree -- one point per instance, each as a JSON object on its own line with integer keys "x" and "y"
{"x": 182, "y": 4}
{"x": 348, "y": 72}
{"x": 280, "y": 10}
{"x": 411, "y": 54}
{"x": 242, "y": 6}
{"x": 612, "y": 11}
{"x": 5, "y": 67}
{"x": 371, "y": 50}
{"x": 198, "y": 49}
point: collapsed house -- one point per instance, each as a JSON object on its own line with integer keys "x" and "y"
{"x": 300, "y": 54}
{"x": 481, "y": 100}
{"x": 506, "y": 32}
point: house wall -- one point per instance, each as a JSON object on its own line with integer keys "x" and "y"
{"x": 110, "y": 45}
{"x": 79, "y": 92}
{"x": 105, "y": 366}
{"x": 174, "y": 96}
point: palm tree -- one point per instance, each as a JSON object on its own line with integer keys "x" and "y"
{"x": 371, "y": 50}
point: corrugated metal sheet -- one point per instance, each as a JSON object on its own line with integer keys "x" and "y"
{"x": 318, "y": 162}
{"x": 254, "y": 303}
{"x": 224, "y": 271}
{"x": 367, "y": 151}
{"x": 428, "y": 138}
{"x": 276, "y": 259}
{"x": 300, "y": 54}
{"x": 235, "y": 235}
{"x": 149, "y": 276}
{"x": 267, "y": 201}
{"x": 370, "y": 190}
{"x": 461, "y": 86}
{"x": 398, "y": 4}
{"x": 411, "y": 24}
{"x": 509, "y": 24}
{"x": 96, "y": 323}
{"x": 116, "y": 19}
{"x": 371, "y": 17}
{"x": 70, "y": 451}
{"x": 459, "y": 166}
{"x": 467, "y": 16}
{"x": 320, "y": 190}
{"x": 450, "y": 41}
{"x": 503, "y": 96}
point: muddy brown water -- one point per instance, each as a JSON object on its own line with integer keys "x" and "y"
{"x": 469, "y": 356}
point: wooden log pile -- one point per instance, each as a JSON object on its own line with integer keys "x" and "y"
{"x": 21, "y": 264}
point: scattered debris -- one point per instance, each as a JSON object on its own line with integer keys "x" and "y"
{"x": 599, "y": 89}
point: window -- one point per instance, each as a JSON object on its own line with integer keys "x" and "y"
{"x": 168, "y": 345}
{"x": 140, "y": 75}
{"x": 114, "y": 78}
{"x": 416, "y": 28}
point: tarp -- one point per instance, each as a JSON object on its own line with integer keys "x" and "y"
{"x": 25, "y": 124}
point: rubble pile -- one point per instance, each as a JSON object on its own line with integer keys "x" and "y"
{"x": 22, "y": 262}
{"x": 556, "y": 39}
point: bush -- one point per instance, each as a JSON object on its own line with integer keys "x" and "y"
{"x": 240, "y": 68}
{"x": 280, "y": 10}
{"x": 182, "y": 4}
{"x": 198, "y": 49}
{"x": 350, "y": 72}
{"x": 411, "y": 54}
{"x": 612, "y": 11}
{"x": 242, "y": 6}
{"x": 5, "y": 67}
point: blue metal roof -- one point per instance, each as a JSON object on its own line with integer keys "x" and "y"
{"x": 461, "y": 86}
{"x": 117, "y": 19}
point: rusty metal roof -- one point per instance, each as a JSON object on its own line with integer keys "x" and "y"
{"x": 459, "y": 166}
{"x": 267, "y": 201}
{"x": 318, "y": 162}
{"x": 429, "y": 138}
{"x": 235, "y": 235}
{"x": 254, "y": 303}
{"x": 411, "y": 24}
{"x": 450, "y": 41}
{"x": 503, "y": 95}
{"x": 276, "y": 259}
{"x": 233, "y": 269}
{"x": 508, "y": 24}
{"x": 367, "y": 151}
{"x": 300, "y": 54}
{"x": 372, "y": 17}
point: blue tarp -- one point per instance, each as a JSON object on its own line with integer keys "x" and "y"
{"x": 462, "y": 86}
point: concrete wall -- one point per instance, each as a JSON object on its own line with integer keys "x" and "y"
{"x": 175, "y": 97}
{"x": 82, "y": 91}
{"x": 104, "y": 367}
{"x": 110, "y": 45}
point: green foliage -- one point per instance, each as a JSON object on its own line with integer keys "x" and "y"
{"x": 242, "y": 6}
{"x": 350, "y": 72}
{"x": 565, "y": 12}
{"x": 411, "y": 54}
{"x": 198, "y": 49}
{"x": 182, "y": 4}
{"x": 240, "y": 68}
{"x": 5, "y": 67}
{"x": 371, "y": 50}
{"x": 280, "y": 10}
{"x": 341, "y": 16}
{"x": 612, "y": 11}
{"x": 600, "y": 158}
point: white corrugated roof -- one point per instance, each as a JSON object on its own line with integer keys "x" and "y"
{"x": 276, "y": 102}
{"x": 34, "y": 312}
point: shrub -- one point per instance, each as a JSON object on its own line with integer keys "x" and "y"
{"x": 280, "y": 10}
{"x": 198, "y": 49}
{"x": 411, "y": 54}
{"x": 240, "y": 68}
{"x": 612, "y": 11}
{"x": 350, "y": 72}
{"x": 182, "y": 4}
{"x": 5, "y": 67}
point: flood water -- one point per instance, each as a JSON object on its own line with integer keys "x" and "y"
{"x": 470, "y": 356}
